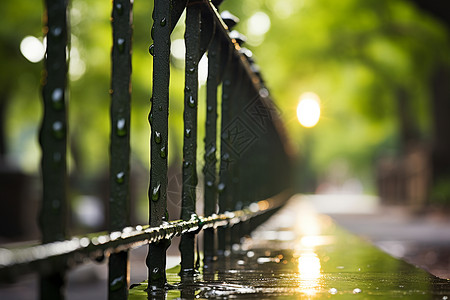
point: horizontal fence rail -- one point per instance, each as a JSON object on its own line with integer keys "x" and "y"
{"x": 246, "y": 158}
{"x": 48, "y": 258}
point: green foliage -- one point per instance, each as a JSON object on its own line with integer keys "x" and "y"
{"x": 354, "y": 54}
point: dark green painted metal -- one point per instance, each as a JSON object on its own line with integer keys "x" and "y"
{"x": 53, "y": 140}
{"x": 210, "y": 158}
{"x": 119, "y": 178}
{"x": 188, "y": 197}
{"x": 52, "y": 257}
{"x": 225, "y": 175}
{"x": 156, "y": 258}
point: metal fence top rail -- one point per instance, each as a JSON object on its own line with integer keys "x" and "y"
{"x": 47, "y": 258}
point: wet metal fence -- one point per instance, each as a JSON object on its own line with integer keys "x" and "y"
{"x": 246, "y": 171}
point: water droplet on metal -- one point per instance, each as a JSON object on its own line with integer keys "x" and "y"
{"x": 226, "y": 157}
{"x": 187, "y": 89}
{"x": 152, "y": 32}
{"x": 187, "y": 132}
{"x": 120, "y": 177}
{"x": 150, "y": 118}
{"x": 357, "y": 291}
{"x": 56, "y": 204}
{"x": 163, "y": 22}
{"x": 186, "y": 164}
{"x": 157, "y": 137}
{"x": 57, "y": 157}
{"x": 117, "y": 283}
{"x": 221, "y": 187}
{"x": 209, "y": 183}
{"x": 160, "y": 108}
{"x": 56, "y": 32}
{"x": 151, "y": 49}
{"x": 119, "y": 8}
{"x": 191, "y": 102}
{"x": 211, "y": 154}
{"x": 121, "y": 128}
{"x": 57, "y": 98}
{"x": 121, "y": 45}
{"x": 163, "y": 152}
{"x": 209, "y": 108}
{"x": 333, "y": 291}
{"x": 58, "y": 130}
{"x": 191, "y": 70}
{"x": 155, "y": 192}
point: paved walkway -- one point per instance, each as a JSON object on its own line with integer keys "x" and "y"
{"x": 301, "y": 254}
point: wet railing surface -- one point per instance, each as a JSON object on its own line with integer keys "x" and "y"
{"x": 242, "y": 186}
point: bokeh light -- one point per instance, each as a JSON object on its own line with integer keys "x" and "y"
{"x": 308, "y": 110}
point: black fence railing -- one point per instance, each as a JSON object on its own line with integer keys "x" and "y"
{"x": 250, "y": 179}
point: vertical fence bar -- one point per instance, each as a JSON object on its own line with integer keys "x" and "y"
{"x": 53, "y": 139}
{"x": 225, "y": 187}
{"x": 210, "y": 206}
{"x": 158, "y": 119}
{"x": 188, "y": 196}
{"x": 121, "y": 19}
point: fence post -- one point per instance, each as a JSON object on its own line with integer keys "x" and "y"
{"x": 158, "y": 119}
{"x": 210, "y": 185}
{"x": 119, "y": 181}
{"x": 188, "y": 197}
{"x": 53, "y": 140}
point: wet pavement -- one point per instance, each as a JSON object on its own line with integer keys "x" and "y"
{"x": 301, "y": 254}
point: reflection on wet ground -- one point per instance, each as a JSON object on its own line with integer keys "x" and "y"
{"x": 299, "y": 254}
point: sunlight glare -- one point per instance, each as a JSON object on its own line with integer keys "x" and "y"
{"x": 308, "y": 110}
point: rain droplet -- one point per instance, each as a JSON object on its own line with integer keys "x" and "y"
{"x": 209, "y": 183}
{"x": 160, "y": 108}
{"x": 152, "y": 32}
{"x": 187, "y": 132}
{"x": 157, "y": 137}
{"x": 121, "y": 130}
{"x": 357, "y": 291}
{"x": 150, "y": 118}
{"x": 117, "y": 283}
{"x": 191, "y": 70}
{"x": 155, "y": 274}
{"x": 155, "y": 192}
{"x": 121, "y": 45}
{"x": 56, "y": 32}
{"x": 221, "y": 187}
{"x": 151, "y": 49}
{"x": 57, "y": 98}
{"x": 57, "y": 157}
{"x": 163, "y": 152}
{"x": 56, "y": 204}
{"x": 187, "y": 89}
{"x": 226, "y": 157}
{"x": 58, "y": 130}
{"x": 120, "y": 177}
{"x": 209, "y": 108}
{"x": 163, "y": 22}
{"x": 211, "y": 154}
{"x": 191, "y": 102}
{"x": 333, "y": 291}
{"x": 119, "y": 8}
{"x": 186, "y": 164}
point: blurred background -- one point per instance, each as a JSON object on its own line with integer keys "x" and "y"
{"x": 379, "y": 70}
